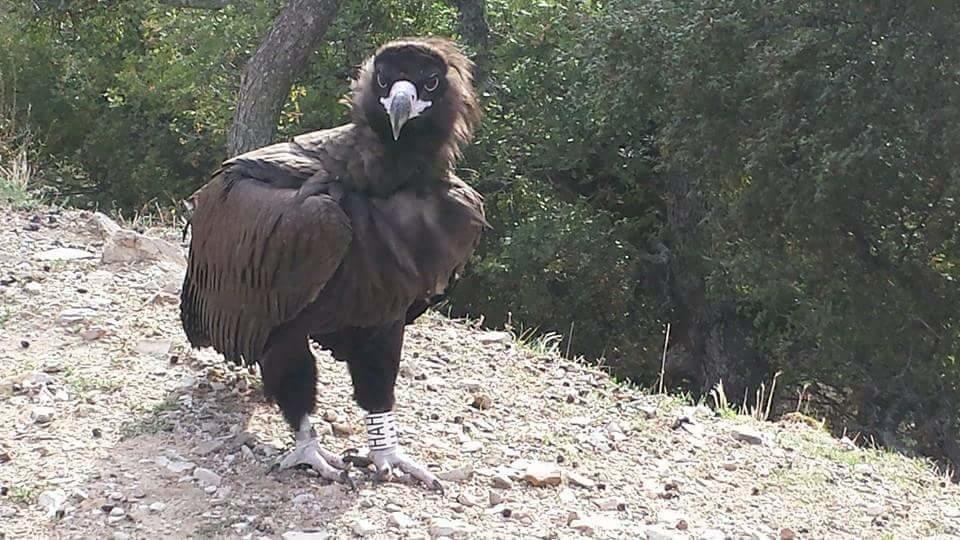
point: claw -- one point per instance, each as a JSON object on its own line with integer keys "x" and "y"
{"x": 324, "y": 462}
{"x": 389, "y": 460}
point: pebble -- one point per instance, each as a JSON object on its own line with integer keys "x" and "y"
{"x": 591, "y": 524}
{"x": 206, "y": 477}
{"x": 672, "y": 518}
{"x": 951, "y": 511}
{"x": 208, "y": 447}
{"x": 33, "y": 288}
{"x": 787, "y": 534}
{"x": 610, "y": 503}
{"x": 157, "y": 507}
{"x": 747, "y": 435}
{"x": 154, "y": 347}
{"x": 362, "y": 527}
{"x": 468, "y": 499}
{"x": 494, "y": 337}
{"x": 42, "y": 415}
{"x": 179, "y": 467}
{"x": 501, "y": 481}
{"x": 400, "y": 520}
{"x": 567, "y": 496}
{"x": 471, "y": 446}
{"x": 713, "y": 534}
{"x": 305, "y": 535}
{"x": 75, "y": 315}
{"x": 874, "y": 509}
{"x": 541, "y": 473}
{"x": 63, "y": 254}
{"x": 657, "y": 532}
{"x": 456, "y": 475}
{"x": 303, "y": 498}
{"x": 578, "y": 479}
{"x": 52, "y": 501}
{"x": 482, "y": 402}
{"x": 450, "y": 528}
{"x": 495, "y": 498}
{"x": 93, "y": 333}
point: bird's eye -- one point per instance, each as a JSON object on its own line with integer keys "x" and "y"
{"x": 431, "y": 84}
{"x": 380, "y": 82}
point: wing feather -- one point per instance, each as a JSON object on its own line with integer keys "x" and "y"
{"x": 259, "y": 255}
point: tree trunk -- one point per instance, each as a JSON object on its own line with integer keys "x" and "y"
{"x": 270, "y": 72}
{"x": 712, "y": 338}
{"x": 475, "y": 31}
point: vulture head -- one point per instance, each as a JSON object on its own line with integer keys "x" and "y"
{"x": 417, "y": 93}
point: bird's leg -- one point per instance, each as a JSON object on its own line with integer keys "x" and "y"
{"x": 309, "y": 452}
{"x": 387, "y": 455}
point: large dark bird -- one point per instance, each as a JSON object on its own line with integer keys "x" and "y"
{"x": 344, "y": 236}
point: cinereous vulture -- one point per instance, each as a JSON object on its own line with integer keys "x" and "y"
{"x": 343, "y": 236}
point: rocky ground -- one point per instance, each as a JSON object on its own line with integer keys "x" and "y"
{"x": 111, "y": 427}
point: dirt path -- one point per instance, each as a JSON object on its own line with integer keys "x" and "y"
{"x": 110, "y": 427}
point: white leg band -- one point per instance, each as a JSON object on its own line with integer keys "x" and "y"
{"x": 382, "y": 431}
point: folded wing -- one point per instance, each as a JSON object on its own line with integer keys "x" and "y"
{"x": 262, "y": 250}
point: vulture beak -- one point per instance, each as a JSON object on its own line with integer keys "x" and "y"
{"x": 402, "y": 105}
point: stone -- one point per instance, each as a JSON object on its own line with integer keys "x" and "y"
{"x": 541, "y": 473}
{"x": 468, "y": 499}
{"x": 495, "y": 498}
{"x": 470, "y": 447}
{"x": 610, "y": 503}
{"x": 671, "y": 518}
{"x": 75, "y": 315}
{"x": 157, "y": 507}
{"x": 648, "y": 411}
{"x": 362, "y": 527}
{"x": 450, "y": 528}
{"x": 456, "y": 475}
{"x": 952, "y": 512}
{"x": 208, "y": 447}
{"x": 305, "y": 535}
{"x": 747, "y": 435}
{"x": 102, "y": 225}
{"x": 787, "y": 534}
{"x": 42, "y": 414}
{"x": 206, "y": 477}
{"x": 64, "y": 254}
{"x": 52, "y": 501}
{"x": 713, "y": 534}
{"x": 33, "y": 288}
{"x": 874, "y": 509}
{"x": 494, "y": 337}
{"x": 93, "y": 333}
{"x": 481, "y": 402}
{"x": 592, "y": 524}
{"x": 567, "y": 496}
{"x": 659, "y": 532}
{"x": 303, "y": 498}
{"x": 501, "y": 481}
{"x": 130, "y": 247}
{"x": 400, "y": 520}
{"x": 154, "y": 347}
{"x": 179, "y": 467}
{"x": 578, "y": 479}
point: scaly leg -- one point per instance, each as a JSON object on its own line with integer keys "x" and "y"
{"x": 385, "y": 453}
{"x": 309, "y": 452}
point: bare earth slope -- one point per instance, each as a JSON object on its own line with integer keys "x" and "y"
{"x": 110, "y": 427}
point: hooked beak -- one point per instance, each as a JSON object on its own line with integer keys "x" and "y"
{"x": 402, "y": 105}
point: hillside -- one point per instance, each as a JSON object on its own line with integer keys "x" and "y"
{"x": 110, "y": 426}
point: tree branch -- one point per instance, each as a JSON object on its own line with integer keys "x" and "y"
{"x": 198, "y": 4}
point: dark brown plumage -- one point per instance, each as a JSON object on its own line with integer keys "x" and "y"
{"x": 343, "y": 235}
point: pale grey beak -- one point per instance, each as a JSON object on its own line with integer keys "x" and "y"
{"x": 402, "y": 105}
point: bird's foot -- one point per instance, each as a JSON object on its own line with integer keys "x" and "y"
{"x": 326, "y": 464}
{"x": 387, "y": 462}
